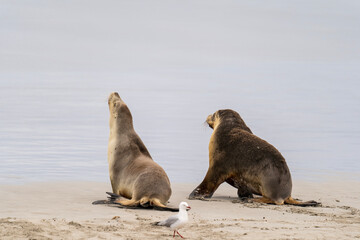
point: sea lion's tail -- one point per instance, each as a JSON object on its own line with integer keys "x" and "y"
{"x": 292, "y": 201}
{"x": 144, "y": 203}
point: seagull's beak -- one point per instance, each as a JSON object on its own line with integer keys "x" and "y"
{"x": 188, "y": 208}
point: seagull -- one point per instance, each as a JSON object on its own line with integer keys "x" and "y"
{"x": 177, "y": 221}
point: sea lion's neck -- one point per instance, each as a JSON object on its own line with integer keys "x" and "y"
{"x": 120, "y": 124}
{"x": 234, "y": 123}
{"x": 120, "y": 129}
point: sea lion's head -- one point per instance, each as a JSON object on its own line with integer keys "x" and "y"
{"x": 214, "y": 119}
{"x": 226, "y": 116}
{"x": 119, "y": 112}
{"x": 220, "y": 115}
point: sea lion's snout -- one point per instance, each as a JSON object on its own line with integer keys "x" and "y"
{"x": 210, "y": 121}
{"x": 113, "y": 96}
{"x": 114, "y": 101}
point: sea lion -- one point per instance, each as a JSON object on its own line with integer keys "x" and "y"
{"x": 246, "y": 162}
{"x": 133, "y": 173}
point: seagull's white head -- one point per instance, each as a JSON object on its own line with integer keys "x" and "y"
{"x": 184, "y": 206}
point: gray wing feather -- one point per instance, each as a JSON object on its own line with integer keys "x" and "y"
{"x": 168, "y": 222}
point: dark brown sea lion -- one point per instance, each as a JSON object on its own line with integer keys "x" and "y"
{"x": 133, "y": 173}
{"x": 246, "y": 162}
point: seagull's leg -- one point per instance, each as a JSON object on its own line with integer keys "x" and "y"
{"x": 174, "y": 233}
{"x": 180, "y": 234}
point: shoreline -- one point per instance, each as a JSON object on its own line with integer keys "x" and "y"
{"x": 63, "y": 210}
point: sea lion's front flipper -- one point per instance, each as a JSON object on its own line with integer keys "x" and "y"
{"x": 244, "y": 192}
{"x": 208, "y": 186}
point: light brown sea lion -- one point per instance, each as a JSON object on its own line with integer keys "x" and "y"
{"x": 246, "y": 162}
{"x": 133, "y": 173}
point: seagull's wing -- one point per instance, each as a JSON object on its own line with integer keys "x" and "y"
{"x": 168, "y": 222}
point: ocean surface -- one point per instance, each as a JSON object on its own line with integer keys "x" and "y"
{"x": 291, "y": 70}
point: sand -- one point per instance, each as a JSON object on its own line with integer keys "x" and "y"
{"x": 63, "y": 210}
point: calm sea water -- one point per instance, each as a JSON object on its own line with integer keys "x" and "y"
{"x": 291, "y": 71}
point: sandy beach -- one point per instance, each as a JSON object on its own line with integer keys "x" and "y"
{"x": 289, "y": 68}
{"x": 63, "y": 210}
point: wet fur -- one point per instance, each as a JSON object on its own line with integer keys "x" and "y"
{"x": 244, "y": 161}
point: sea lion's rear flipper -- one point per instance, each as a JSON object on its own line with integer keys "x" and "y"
{"x": 292, "y": 201}
{"x": 128, "y": 202}
{"x": 112, "y": 196}
{"x": 101, "y": 202}
{"x": 111, "y": 199}
{"x": 289, "y": 200}
{"x": 263, "y": 200}
{"x": 114, "y": 201}
{"x": 166, "y": 209}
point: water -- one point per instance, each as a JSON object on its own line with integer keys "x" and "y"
{"x": 291, "y": 71}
